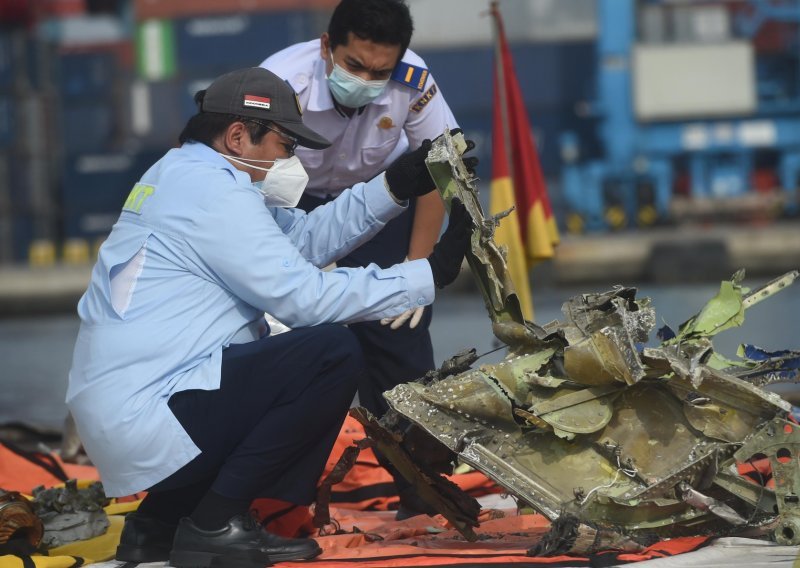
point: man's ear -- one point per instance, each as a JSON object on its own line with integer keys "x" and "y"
{"x": 324, "y": 46}
{"x": 234, "y": 138}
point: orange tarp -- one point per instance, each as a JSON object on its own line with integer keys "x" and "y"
{"x": 22, "y": 471}
{"x": 374, "y": 539}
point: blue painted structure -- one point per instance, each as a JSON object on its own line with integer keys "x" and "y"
{"x": 633, "y": 182}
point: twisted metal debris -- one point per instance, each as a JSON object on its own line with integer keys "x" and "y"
{"x": 582, "y": 419}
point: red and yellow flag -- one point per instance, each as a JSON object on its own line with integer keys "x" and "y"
{"x": 529, "y": 233}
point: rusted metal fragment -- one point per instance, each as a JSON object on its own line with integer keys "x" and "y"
{"x": 705, "y": 503}
{"x": 322, "y": 515}
{"x": 569, "y": 536}
{"x": 445, "y": 496}
{"x": 473, "y": 395}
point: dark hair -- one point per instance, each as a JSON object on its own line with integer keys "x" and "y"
{"x": 205, "y": 127}
{"x": 379, "y": 21}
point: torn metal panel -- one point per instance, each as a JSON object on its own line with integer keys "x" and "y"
{"x": 705, "y": 503}
{"x": 723, "y": 311}
{"x": 580, "y": 419}
{"x": 485, "y": 258}
{"x": 473, "y": 395}
{"x": 445, "y": 496}
{"x": 726, "y": 309}
{"x": 779, "y": 441}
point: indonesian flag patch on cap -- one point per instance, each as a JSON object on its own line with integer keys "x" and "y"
{"x": 258, "y": 102}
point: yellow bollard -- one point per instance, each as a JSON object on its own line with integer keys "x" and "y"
{"x": 41, "y": 252}
{"x": 647, "y": 216}
{"x": 574, "y": 224}
{"x": 76, "y": 251}
{"x": 615, "y": 217}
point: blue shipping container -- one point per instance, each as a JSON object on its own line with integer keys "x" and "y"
{"x": 6, "y": 61}
{"x": 14, "y": 51}
{"x": 216, "y": 44}
{"x": 91, "y": 74}
{"x": 188, "y": 87}
{"x": 7, "y": 121}
{"x": 547, "y": 126}
{"x": 28, "y": 186}
{"x": 160, "y": 109}
{"x": 5, "y": 183}
{"x": 20, "y": 232}
{"x": 17, "y": 180}
{"x": 549, "y": 74}
{"x": 94, "y": 188}
{"x": 89, "y": 127}
{"x": 155, "y": 117}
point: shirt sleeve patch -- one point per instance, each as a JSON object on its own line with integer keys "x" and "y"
{"x": 425, "y": 98}
{"x": 410, "y": 75}
{"x": 137, "y": 197}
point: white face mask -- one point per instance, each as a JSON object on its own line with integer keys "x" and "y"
{"x": 285, "y": 181}
{"x": 351, "y": 90}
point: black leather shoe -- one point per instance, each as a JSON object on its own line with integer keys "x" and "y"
{"x": 242, "y": 543}
{"x": 145, "y": 539}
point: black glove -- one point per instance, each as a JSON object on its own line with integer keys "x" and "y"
{"x": 448, "y": 253}
{"x": 408, "y": 175}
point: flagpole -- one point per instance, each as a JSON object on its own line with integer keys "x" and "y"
{"x": 494, "y": 9}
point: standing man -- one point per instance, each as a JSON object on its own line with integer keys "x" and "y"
{"x": 176, "y": 386}
{"x": 373, "y": 98}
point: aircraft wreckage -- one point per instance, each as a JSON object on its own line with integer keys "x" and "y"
{"x": 582, "y": 421}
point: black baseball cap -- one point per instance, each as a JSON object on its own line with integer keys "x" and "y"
{"x": 258, "y": 93}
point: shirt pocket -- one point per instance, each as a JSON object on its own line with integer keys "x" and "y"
{"x": 311, "y": 159}
{"x": 376, "y": 155}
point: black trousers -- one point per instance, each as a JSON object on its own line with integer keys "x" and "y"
{"x": 269, "y": 429}
{"x": 392, "y": 356}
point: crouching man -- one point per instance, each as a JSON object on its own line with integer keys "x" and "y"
{"x": 176, "y": 386}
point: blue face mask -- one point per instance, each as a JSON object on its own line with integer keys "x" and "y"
{"x": 352, "y": 91}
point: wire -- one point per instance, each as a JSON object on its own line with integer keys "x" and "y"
{"x": 613, "y": 481}
{"x": 628, "y": 472}
{"x": 503, "y": 346}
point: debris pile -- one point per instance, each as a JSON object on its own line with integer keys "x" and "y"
{"x": 584, "y": 421}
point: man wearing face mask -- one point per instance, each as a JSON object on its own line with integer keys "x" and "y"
{"x": 374, "y": 99}
{"x": 176, "y": 386}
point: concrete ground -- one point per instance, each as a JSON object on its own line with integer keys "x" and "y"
{"x": 680, "y": 254}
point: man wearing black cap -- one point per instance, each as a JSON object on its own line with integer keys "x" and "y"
{"x": 176, "y": 386}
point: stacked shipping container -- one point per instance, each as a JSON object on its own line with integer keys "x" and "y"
{"x": 26, "y": 204}
{"x": 89, "y": 101}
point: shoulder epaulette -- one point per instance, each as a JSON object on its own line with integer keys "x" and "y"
{"x": 410, "y": 75}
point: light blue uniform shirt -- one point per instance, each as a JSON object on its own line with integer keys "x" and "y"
{"x": 192, "y": 264}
